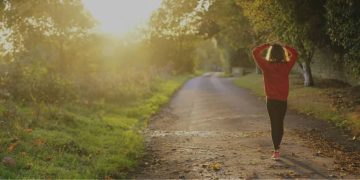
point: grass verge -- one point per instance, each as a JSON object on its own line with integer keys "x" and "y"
{"x": 313, "y": 101}
{"x": 71, "y": 141}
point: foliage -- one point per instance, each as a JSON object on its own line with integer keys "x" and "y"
{"x": 235, "y": 36}
{"x": 73, "y": 102}
{"x": 45, "y": 38}
{"x": 300, "y": 23}
{"x": 176, "y": 55}
{"x": 207, "y": 56}
{"x": 175, "y": 25}
{"x": 34, "y": 21}
{"x": 235, "y": 31}
{"x": 344, "y": 30}
{"x": 99, "y": 140}
{"x": 174, "y": 19}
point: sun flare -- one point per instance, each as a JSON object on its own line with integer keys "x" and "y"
{"x": 119, "y": 17}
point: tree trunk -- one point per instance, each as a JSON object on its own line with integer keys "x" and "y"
{"x": 305, "y": 65}
{"x": 308, "y": 78}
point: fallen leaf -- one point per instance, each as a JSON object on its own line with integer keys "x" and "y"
{"x": 39, "y": 142}
{"x": 215, "y": 166}
{"x": 12, "y": 147}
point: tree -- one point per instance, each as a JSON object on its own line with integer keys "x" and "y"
{"x": 231, "y": 30}
{"x": 45, "y": 38}
{"x": 54, "y": 22}
{"x": 176, "y": 25}
{"x": 208, "y": 55}
{"x": 298, "y": 22}
{"x": 344, "y": 31}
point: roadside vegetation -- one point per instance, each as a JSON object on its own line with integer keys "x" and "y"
{"x": 329, "y": 100}
{"x": 80, "y": 139}
{"x": 73, "y": 102}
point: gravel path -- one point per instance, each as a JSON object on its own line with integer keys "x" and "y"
{"x": 213, "y": 129}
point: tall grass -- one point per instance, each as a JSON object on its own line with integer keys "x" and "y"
{"x": 83, "y": 127}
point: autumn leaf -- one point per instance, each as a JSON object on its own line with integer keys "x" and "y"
{"x": 39, "y": 142}
{"x": 215, "y": 166}
{"x": 12, "y": 147}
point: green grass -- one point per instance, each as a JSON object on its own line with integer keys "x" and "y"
{"x": 253, "y": 82}
{"x": 311, "y": 101}
{"x": 225, "y": 74}
{"x": 81, "y": 142}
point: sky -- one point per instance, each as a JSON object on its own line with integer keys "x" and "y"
{"x": 119, "y": 17}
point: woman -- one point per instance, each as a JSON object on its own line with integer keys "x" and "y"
{"x": 276, "y": 71}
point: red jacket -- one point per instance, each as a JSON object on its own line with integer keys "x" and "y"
{"x": 276, "y": 75}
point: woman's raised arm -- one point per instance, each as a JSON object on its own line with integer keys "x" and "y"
{"x": 293, "y": 55}
{"x": 257, "y": 54}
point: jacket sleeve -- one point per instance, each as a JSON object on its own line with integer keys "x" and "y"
{"x": 293, "y": 56}
{"x": 259, "y": 59}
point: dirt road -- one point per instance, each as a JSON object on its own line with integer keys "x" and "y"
{"x": 213, "y": 129}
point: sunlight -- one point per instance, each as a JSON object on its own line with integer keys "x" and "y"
{"x": 119, "y": 17}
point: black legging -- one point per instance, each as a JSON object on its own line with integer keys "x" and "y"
{"x": 277, "y": 111}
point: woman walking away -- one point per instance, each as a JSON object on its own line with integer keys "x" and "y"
{"x": 276, "y": 69}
